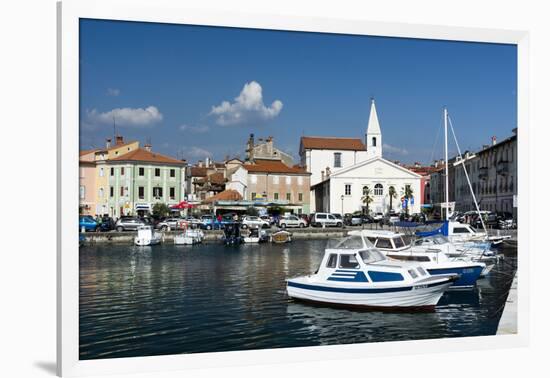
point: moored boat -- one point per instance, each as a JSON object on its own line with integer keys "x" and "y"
{"x": 281, "y": 236}
{"x": 354, "y": 273}
{"x": 434, "y": 260}
{"x": 146, "y": 236}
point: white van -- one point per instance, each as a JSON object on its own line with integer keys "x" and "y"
{"x": 326, "y": 220}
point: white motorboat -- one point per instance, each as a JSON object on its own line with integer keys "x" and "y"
{"x": 467, "y": 253}
{"x": 354, "y": 273}
{"x": 433, "y": 259}
{"x": 189, "y": 236}
{"x": 256, "y": 235}
{"x": 146, "y": 236}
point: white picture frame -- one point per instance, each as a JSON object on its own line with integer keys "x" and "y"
{"x": 69, "y": 13}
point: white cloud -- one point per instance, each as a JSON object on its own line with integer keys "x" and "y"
{"x": 196, "y": 152}
{"x": 113, "y": 92}
{"x": 194, "y": 129}
{"x": 247, "y": 107}
{"x": 395, "y": 150}
{"x": 125, "y": 117}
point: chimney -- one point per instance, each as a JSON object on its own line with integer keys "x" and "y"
{"x": 322, "y": 175}
{"x": 108, "y": 143}
{"x": 119, "y": 140}
{"x": 148, "y": 147}
{"x": 207, "y": 162}
{"x": 515, "y": 131}
{"x": 199, "y": 163}
{"x": 493, "y": 140}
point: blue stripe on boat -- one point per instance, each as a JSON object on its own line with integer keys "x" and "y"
{"x": 358, "y": 291}
{"x": 385, "y": 276}
{"x": 358, "y": 277}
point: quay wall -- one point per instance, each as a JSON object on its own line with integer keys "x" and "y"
{"x": 209, "y": 235}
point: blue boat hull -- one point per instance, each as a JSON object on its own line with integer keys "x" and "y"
{"x": 468, "y": 275}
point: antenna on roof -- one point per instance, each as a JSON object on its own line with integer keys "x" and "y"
{"x": 114, "y": 128}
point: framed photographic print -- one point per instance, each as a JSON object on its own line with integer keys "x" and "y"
{"x": 249, "y": 187}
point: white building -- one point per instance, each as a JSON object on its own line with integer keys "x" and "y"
{"x": 341, "y": 168}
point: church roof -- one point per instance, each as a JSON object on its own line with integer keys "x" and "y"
{"x": 332, "y": 143}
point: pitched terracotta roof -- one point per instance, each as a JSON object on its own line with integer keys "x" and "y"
{"x": 332, "y": 143}
{"x": 273, "y": 166}
{"x": 198, "y": 171}
{"x": 141, "y": 154}
{"x": 86, "y": 152}
{"x": 226, "y": 195}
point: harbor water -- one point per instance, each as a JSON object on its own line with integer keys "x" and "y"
{"x": 167, "y": 299}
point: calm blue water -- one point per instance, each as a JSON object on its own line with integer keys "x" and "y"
{"x": 180, "y": 299}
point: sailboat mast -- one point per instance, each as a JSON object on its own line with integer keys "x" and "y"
{"x": 446, "y": 168}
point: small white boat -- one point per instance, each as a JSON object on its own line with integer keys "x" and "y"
{"x": 146, "y": 236}
{"x": 255, "y": 236}
{"x": 189, "y": 236}
{"x": 354, "y": 273}
{"x": 281, "y": 237}
{"x": 433, "y": 259}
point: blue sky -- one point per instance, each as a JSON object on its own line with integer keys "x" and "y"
{"x": 196, "y": 91}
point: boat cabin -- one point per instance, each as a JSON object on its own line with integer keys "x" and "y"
{"x": 384, "y": 240}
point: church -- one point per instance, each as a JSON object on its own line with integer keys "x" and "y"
{"x": 343, "y": 168}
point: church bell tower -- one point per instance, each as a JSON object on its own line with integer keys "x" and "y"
{"x": 373, "y": 136}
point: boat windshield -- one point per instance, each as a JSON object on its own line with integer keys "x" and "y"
{"x": 398, "y": 242}
{"x": 434, "y": 240}
{"x": 371, "y": 255}
{"x": 350, "y": 242}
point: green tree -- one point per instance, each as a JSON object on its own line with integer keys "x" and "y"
{"x": 251, "y": 210}
{"x": 160, "y": 210}
{"x": 393, "y": 194}
{"x": 367, "y": 197}
{"x": 408, "y": 195}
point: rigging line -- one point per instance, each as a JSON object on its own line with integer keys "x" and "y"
{"x": 467, "y": 177}
{"x": 435, "y": 143}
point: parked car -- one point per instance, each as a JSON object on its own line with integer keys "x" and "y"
{"x": 129, "y": 223}
{"x": 325, "y": 219}
{"x": 292, "y": 221}
{"x": 347, "y": 219}
{"x": 377, "y": 217}
{"x": 269, "y": 219}
{"x": 107, "y": 224}
{"x": 87, "y": 222}
{"x": 172, "y": 223}
{"x": 390, "y": 218}
{"x": 356, "y": 219}
{"x": 251, "y": 221}
{"x": 209, "y": 222}
{"x": 418, "y": 218}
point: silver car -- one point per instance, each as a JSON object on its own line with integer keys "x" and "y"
{"x": 129, "y": 224}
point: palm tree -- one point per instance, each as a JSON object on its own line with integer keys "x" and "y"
{"x": 367, "y": 197}
{"x": 407, "y": 194}
{"x": 393, "y": 194}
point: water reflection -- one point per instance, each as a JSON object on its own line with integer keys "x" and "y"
{"x": 187, "y": 299}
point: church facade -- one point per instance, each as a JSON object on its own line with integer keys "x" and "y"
{"x": 344, "y": 169}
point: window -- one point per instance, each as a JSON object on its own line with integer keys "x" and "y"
{"x": 82, "y": 192}
{"x": 157, "y": 172}
{"x": 275, "y": 179}
{"x": 172, "y": 173}
{"x": 252, "y": 195}
{"x": 141, "y": 171}
{"x": 111, "y": 191}
{"x": 337, "y": 160}
{"x": 300, "y": 197}
{"x": 157, "y": 192}
{"x": 348, "y": 262}
{"x": 100, "y": 192}
{"x": 412, "y": 273}
{"x": 374, "y": 141}
{"x": 347, "y": 190}
{"x": 378, "y": 189}
{"x": 288, "y": 196}
{"x": 384, "y": 243}
{"x": 122, "y": 171}
{"x": 275, "y": 196}
{"x": 331, "y": 263}
{"x": 398, "y": 242}
{"x": 112, "y": 171}
{"x": 121, "y": 191}
{"x": 460, "y": 230}
{"x": 172, "y": 193}
{"x": 141, "y": 192}
{"x": 101, "y": 172}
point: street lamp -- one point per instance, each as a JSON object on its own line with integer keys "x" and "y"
{"x": 342, "y": 198}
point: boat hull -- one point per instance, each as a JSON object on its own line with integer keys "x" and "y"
{"x": 146, "y": 242}
{"x": 409, "y": 297}
{"x": 468, "y": 275}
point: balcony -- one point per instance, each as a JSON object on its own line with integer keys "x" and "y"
{"x": 503, "y": 168}
{"x": 483, "y": 173}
